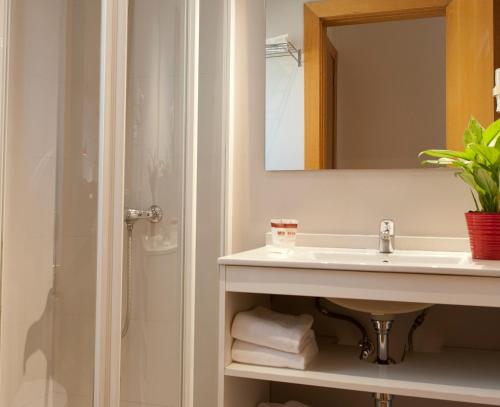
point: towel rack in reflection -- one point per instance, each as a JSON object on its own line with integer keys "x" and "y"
{"x": 284, "y": 49}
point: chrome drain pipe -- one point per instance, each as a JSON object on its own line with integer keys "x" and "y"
{"x": 383, "y": 400}
{"x": 382, "y": 328}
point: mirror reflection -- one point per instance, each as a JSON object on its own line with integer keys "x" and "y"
{"x": 383, "y": 87}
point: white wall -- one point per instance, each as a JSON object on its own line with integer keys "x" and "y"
{"x": 286, "y": 17}
{"x": 285, "y": 90}
{"x": 391, "y": 92}
{"x": 374, "y": 64}
{"x": 284, "y": 114}
{"x": 423, "y": 202}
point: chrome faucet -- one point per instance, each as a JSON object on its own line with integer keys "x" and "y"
{"x": 386, "y": 236}
{"x": 154, "y": 215}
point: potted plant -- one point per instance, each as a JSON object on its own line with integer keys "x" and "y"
{"x": 479, "y": 167}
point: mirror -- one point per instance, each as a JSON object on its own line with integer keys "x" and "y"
{"x": 362, "y": 85}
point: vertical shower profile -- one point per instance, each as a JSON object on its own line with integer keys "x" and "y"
{"x": 153, "y": 215}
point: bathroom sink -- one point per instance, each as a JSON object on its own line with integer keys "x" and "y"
{"x": 363, "y": 256}
{"x": 380, "y": 308}
{"x": 400, "y": 261}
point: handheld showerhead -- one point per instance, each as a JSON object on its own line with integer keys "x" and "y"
{"x": 153, "y": 215}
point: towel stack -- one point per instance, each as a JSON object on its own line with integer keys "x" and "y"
{"x": 268, "y": 338}
{"x": 288, "y": 404}
{"x": 279, "y": 39}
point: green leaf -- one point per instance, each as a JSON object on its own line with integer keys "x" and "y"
{"x": 446, "y": 154}
{"x": 483, "y": 183}
{"x": 491, "y": 134}
{"x": 470, "y": 153}
{"x": 486, "y": 181}
{"x": 479, "y": 163}
{"x": 444, "y": 162}
{"x": 491, "y": 154}
{"x": 469, "y": 179}
{"x": 487, "y": 203}
{"x": 474, "y": 132}
{"x": 475, "y": 200}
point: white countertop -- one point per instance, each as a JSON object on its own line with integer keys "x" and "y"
{"x": 401, "y": 261}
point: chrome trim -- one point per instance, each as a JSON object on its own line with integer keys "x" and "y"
{"x": 386, "y": 236}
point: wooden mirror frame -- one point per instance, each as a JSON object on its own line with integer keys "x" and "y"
{"x": 472, "y": 38}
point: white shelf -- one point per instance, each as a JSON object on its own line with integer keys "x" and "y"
{"x": 454, "y": 374}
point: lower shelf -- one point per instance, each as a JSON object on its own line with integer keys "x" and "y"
{"x": 463, "y": 375}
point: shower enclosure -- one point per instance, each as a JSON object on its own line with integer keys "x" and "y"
{"x": 97, "y": 109}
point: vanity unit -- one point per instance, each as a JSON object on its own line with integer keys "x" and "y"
{"x": 352, "y": 276}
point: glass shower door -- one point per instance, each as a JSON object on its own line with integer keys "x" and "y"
{"x": 151, "y": 363}
{"x": 67, "y": 190}
{"x": 50, "y": 203}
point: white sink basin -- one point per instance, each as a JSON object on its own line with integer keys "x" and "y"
{"x": 361, "y": 256}
{"x": 380, "y": 308}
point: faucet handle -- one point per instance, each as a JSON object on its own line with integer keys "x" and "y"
{"x": 387, "y": 227}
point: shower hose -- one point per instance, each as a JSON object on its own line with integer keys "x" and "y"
{"x": 128, "y": 281}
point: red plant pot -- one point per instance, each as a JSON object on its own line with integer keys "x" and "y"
{"x": 484, "y": 233}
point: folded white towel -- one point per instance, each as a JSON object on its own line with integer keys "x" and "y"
{"x": 274, "y": 330}
{"x": 245, "y": 352}
{"x": 287, "y": 404}
{"x": 279, "y": 39}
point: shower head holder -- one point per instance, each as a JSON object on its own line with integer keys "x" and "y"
{"x": 154, "y": 215}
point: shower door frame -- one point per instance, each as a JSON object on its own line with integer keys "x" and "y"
{"x": 4, "y": 41}
{"x": 111, "y": 200}
{"x": 113, "y": 75}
